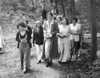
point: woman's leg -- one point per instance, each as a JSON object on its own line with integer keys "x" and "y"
{"x": 71, "y": 49}
{"x": 21, "y": 58}
{"x": 21, "y": 55}
{"x": 41, "y": 52}
{"x": 76, "y": 48}
{"x": 61, "y": 50}
{"x": 26, "y": 58}
{"x": 47, "y": 52}
{"x": 38, "y": 51}
{"x": 29, "y": 57}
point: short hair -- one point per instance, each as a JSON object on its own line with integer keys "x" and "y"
{"x": 75, "y": 19}
{"x": 21, "y": 24}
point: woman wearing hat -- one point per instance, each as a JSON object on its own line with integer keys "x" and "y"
{"x": 38, "y": 39}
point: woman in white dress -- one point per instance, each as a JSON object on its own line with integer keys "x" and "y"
{"x": 64, "y": 43}
{"x": 59, "y": 22}
{"x": 74, "y": 37}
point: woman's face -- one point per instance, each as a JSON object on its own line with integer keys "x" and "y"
{"x": 39, "y": 24}
{"x": 58, "y": 20}
{"x": 73, "y": 21}
{"x": 21, "y": 28}
{"x": 64, "y": 21}
{"x": 49, "y": 16}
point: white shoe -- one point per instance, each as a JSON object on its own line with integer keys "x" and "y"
{"x": 24, "y": 71}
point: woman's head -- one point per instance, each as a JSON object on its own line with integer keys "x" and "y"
{"x": 38, "y": 23}
{"x": 65, "y": 21}
{"x": 74, "y": 20}
{"x": 49, "y": 15}
{"x": 59, "y": 19}
{"x": 27, "y": 21}
{"x": 21, "y": 26}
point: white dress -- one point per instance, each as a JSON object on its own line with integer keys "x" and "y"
{"x": 64, "y": 44}
{"x": 75, "y": 29}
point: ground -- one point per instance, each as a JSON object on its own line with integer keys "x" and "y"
{"x": 10, "y": 65}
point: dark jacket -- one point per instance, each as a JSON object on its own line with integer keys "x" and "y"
{"x": 38, "y": 37}
{"x": 44, "y": 14}
{"x": 29, "y": 29}
{"x": 28, "y": 38}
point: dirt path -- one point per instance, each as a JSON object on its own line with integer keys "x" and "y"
{"x": 10, "y": 64}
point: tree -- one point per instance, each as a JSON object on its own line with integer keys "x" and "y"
{"x": 94, "y": 29}
{"x": 72, "y": 2}
{"x": 63, "y": 7}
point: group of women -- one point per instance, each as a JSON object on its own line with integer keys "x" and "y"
{"x": 57, "y": 37}
{"x": 54, "y": 38}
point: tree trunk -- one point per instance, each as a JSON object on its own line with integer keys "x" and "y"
{"x": 94, "y": 29}
{"x": 22, "y": 2}
{"x": 72, "y": 8}
{"x": 63, "y": 7}
{"x": 32, "y": 2}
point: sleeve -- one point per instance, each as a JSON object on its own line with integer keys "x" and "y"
{"x": 57, "y": 29}
{"x": 33, "y": 36}
{"x": 29, "y": 37}
{"x": 30, "y": 30}
{"x": 17, "y": 37}
{"x": 79, "y": 26}
{"x": 44, "y": 28}
{"x": 70, "y": 27}
{"x": 41, "y": 31}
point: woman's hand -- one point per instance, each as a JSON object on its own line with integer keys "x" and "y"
{"x": 60, "y": 35}
{"x": 67, "y": 35}
{"x": 48, "y": 36}
{"x": 74, "y": 32}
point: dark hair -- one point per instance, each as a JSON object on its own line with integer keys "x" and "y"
{"x": 60, "y": 18}
{"x": 75, "y": 19}
{"x": 67, "y": 23}
{"x": 50, "y": 13}
{"x": 21, "y": 24}
{"x": 54, "y": 18}
{"x": 26, "y": 21}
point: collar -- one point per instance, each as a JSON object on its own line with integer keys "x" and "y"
{"x": 51, "y": 22}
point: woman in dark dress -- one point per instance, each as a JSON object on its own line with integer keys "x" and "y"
{"x": 50, "y": 38}
{"x": 38, "y": 39}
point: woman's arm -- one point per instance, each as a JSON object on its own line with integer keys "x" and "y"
{"x": 78, "y": 31}
{"x": 17, "y": 37}
{"x": 56, "y": 29}
{"x": 33, "y": 36}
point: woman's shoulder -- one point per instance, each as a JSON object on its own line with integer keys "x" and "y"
{"x": 18, "y": 33}
{"x": 27, "y": 32}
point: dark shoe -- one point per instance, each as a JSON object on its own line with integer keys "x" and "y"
{"x": 24, "y": 71}
{"x": 39, "y": 62}
{"x": 63, "y": 62}
{"x": 68, "y": 62}
{"x": 59, "y": 62}
{"x": 49, "y": 64}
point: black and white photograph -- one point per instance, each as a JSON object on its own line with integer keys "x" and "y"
{"x": 49, "y": 38}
